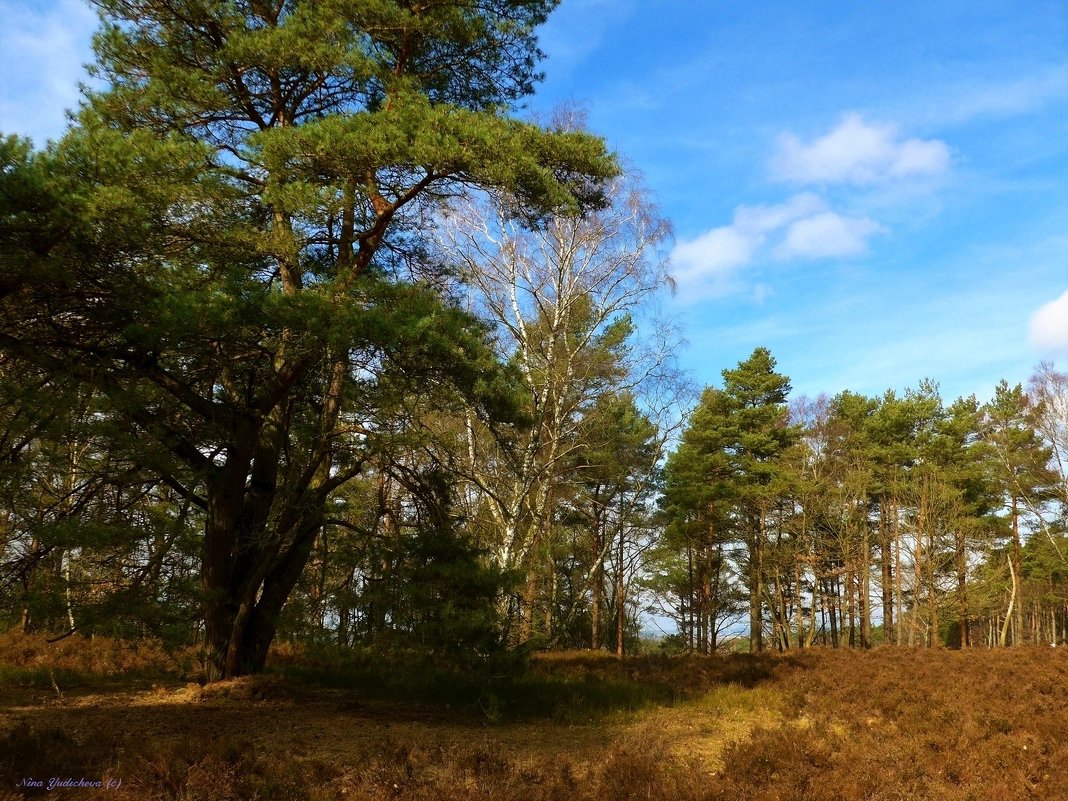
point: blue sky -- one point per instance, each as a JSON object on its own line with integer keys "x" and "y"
{"x": 877, "y": 191}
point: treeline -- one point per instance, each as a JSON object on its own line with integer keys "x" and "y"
{"x": 854, "y": 520}
{"x": 302, "y": 335}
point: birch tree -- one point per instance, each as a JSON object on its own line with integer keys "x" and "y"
{"x": 564, "y": 297}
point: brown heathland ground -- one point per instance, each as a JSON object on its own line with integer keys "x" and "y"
{"x": 886, "y": 724}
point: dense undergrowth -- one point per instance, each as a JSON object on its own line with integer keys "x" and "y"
{"x": 880, "y": 725}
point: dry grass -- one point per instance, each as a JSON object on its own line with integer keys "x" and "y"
{"x": 888, "y": 724}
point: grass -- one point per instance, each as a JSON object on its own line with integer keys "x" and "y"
{"x": 880, "y": 725}
{"x": 499, "y": 698}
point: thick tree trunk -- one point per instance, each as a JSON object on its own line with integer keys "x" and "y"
{"x": 257, "y": 544}
{"x": 241, "y": 613}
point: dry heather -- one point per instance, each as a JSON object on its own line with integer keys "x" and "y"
{"x": 99, "y": 656}
{"x": 913, "y": 724}
{"x": 881, "y": 725}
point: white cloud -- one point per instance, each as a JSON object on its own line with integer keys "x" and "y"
{"x": 827, "y": 234}
{"x": 765, "y": 219}
{"x": 860, "y": 153}
{"x": 1049, "y": 326}
{"x": 714, "y": 253}
{"x": 705, "y": 266}
{"x": 802, "y": 227}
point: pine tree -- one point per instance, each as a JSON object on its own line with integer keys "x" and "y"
{"x": 723, "y": 482}
{"x": 218, "y": 248}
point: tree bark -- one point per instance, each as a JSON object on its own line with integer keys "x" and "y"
{"x": 1017, "y": 638}
{"x": 865, "y": 589}
{"x": 899, "y": 601}
{"x": 1003, "y": 639}
{"x": 851, "y": 583}
{"x": 885, "y": 557}
{"x": 620, "y": 596}
{"x": 962, "y": 591}
{"x": 756, "y": 581}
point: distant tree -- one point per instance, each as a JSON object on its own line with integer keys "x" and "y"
{"x": 697, "y": 503}
{"x": 1020, "y": 466}
{"x": 721, "y": 483}
{"x": 758, "y": 433}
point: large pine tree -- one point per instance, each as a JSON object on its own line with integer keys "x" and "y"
{"x": 223, "y": 247}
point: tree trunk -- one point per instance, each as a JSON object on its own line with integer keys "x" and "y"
{"x": 713, "y": 613}
{"x": 1018, "y": 629}
{"x": 917, "y": 579}
{"x": 526, "y": 625}
{"x": 899, "y": 601}
{"x": 756, "y": 582}
{"x": 257, "y": 542}
{"x": 620, "y": 597}
{"x": 932, "y": 591}
{"x": 835, "y": 609}
{"x": 701, "y": 599}
{"x": 1003, "y": 640}
{"x": 865, "y": 589}
{"x": 851, "y": 583}
{"x": 962, "y": 591}
{"x": 887, "y": 587}
{"x": 598, "y": 584}
{"x": 693, "y": 596}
